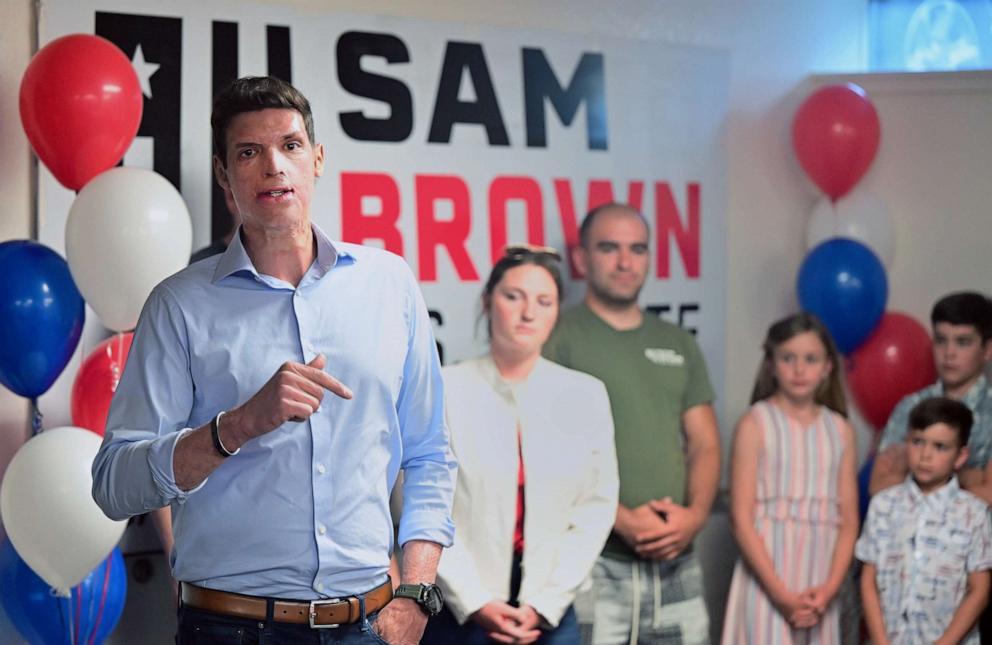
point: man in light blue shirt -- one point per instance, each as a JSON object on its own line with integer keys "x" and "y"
{"x": 280, "y": 494}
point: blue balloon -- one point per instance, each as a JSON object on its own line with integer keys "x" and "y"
{"x": 864, "y": 497}
{"x": 843, "y": 282}
{"x": 44, "y": 619}
{"x": 41, "y": 316}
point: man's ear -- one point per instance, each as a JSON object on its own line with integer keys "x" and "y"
{"x": 220, "y": 174}
{"x": 318, "y": 159}
{"x": 579, "y": 259}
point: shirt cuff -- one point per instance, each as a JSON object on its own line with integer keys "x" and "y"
{"x": 161, "y": 457}
{"x": 426, "y": 525}
{"x": 864, "y": 553}
{"x": 550, "y": 609}
{"x": 466, "y": 602}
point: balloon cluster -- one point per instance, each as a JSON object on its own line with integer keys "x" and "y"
{"x": 851, "y": 240}
{"x": 127, "y": 229}
{"x": 87, "y": 616}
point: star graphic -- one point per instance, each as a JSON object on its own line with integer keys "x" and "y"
{"x": 144, "y": 70}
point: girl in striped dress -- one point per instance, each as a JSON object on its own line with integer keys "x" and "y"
{"x": 794, "y": 503}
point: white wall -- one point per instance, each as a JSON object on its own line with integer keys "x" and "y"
{"x": 15, "y": 185}
{"x": 932, "y": 171}
{"x": 16, "y": 197}
{"x": 774, "y": 45}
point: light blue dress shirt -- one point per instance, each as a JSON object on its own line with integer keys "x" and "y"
{"x": 303, "y": 511}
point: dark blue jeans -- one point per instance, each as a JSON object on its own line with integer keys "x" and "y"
{"x": 198, "y": 627}
{"x": 443, "y": 629}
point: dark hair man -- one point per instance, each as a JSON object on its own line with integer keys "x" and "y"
{"x": 279, "y": 492}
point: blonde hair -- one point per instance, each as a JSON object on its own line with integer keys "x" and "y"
{"x": 831, "y": 391}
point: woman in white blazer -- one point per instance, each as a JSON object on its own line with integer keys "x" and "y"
{"x": 537, "y": 479}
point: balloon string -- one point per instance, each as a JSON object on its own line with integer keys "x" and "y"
{"x": 89, "y": 631}
{"x": 103, "y": 600}
{"x": 79, "y": 610}
{"x": 118, "y": 365}
{"x": 62, "y": 621}
{"x": 35, "y": 418}
{"x": 68, "y": 621}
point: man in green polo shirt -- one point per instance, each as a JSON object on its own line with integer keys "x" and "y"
{"x": 648, "y": 584}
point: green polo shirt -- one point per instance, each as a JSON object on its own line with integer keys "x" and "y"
{"x": 653, "y": 374}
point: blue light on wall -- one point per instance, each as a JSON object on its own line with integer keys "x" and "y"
{"x": 929, "y": 35}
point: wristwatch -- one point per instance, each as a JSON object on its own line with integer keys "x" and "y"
{"x": 428, "y": 596}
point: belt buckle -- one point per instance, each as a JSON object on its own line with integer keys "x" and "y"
{"x": 313, "y": 613}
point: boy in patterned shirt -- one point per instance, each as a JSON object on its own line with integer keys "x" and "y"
{"x": 927, "y": 544}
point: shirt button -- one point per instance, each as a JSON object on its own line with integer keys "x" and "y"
{"x": 918, "y": 555}
{"x": 322, "y": 529}
{"x": 320, "y": 469}
{"x": 320, "y": 586}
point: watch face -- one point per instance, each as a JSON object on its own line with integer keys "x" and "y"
{"x": 433, "y": 599}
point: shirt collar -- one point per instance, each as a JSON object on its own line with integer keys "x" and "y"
{"x": 977, "y": 393}
{"x": 235, "y": 259}
{"x": 938, "y": 498}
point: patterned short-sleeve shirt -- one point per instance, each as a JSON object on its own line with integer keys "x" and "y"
{"x": 979, "y": 401}
{"x": 923, "y": 548}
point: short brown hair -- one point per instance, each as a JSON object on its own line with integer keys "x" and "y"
{"x": 251, "y": 94}
{"x": 940, "y": 409}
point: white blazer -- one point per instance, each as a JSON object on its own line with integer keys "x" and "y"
{"x": 570, "y": 494}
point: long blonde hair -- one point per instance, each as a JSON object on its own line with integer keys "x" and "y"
{"x": 831, "y": 392}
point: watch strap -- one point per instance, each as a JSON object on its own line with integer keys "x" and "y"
{"x": 413, "y": 592}
{"x": 215, "y": 435}
{"x": 427, "y": 596}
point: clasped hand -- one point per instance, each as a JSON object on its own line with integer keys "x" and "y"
{"x": 663, "y": 529}
{"x": 805, "y": 609}
{"x": 508, "y": 624}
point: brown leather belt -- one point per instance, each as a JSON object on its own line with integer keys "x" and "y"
{"x": 331, "y": 612}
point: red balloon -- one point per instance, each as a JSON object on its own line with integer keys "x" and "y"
{"x": 80, "y": 106}
{"x": 835, "y": 134}
{"x": 97, "y": 381}
{"x": 896, "y": 360}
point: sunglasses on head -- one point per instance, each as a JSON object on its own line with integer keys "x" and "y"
{"x": 526, "y": 250}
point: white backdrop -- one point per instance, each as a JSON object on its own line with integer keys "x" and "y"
{"x": 648, "y": 127}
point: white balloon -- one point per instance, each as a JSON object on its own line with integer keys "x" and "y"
{"x": 127, "y": 230}
{"x": 860, "y": 215}
{"x": 48, "y": 510}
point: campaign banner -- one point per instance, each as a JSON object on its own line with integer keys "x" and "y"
{"x": 445, "y": 142}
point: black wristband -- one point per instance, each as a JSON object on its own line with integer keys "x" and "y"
{"x": 215, "y": 435}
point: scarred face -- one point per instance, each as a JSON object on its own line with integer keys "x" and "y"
{"x": 271, "y": 170}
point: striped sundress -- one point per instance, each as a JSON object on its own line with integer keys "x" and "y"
{"x": 797, "y": 517}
